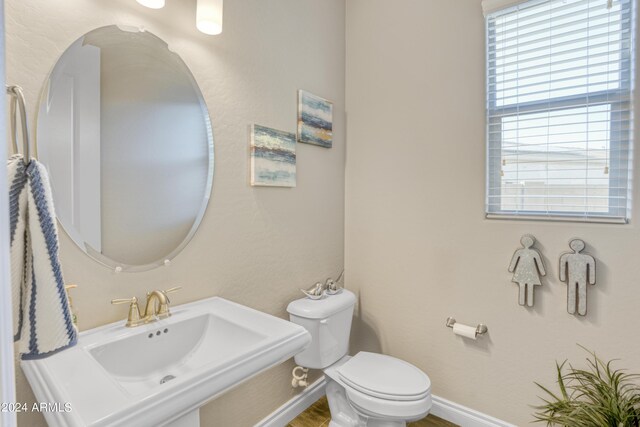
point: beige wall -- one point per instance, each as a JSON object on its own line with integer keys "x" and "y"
{"x": 256, "y": 246}
{"x": 418, "y": 248}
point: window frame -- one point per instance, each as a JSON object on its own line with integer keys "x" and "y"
{"x": 615, "y": 98}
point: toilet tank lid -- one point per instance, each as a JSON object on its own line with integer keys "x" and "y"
{"x": 322, "y": 308}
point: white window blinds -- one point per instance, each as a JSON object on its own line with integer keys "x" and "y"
{"x": 559, "y": 119}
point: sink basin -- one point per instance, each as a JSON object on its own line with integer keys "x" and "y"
{"x": 161, "y": 373}
{"x": 172, "y": 351}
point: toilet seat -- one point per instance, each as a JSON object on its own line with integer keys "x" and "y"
{"x": 406, "y": 410}
{"x": 384, "y": 377}
{"x": 382, "y": 386}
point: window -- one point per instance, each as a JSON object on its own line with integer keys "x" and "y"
{"x": 559, "y": 109}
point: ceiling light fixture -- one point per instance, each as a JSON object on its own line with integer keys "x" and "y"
{"x": 209, "y": 16}
{"x": 152, "y": 4}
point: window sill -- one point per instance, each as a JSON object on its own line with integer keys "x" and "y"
{"x": 558, "y": 218}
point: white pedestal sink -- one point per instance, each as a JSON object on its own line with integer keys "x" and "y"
{"x": 160, "y": 374}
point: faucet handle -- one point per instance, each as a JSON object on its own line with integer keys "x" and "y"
{"x": 168, "y": 291}
{"x": 132, "y": 300}
{"x": 133, "y": 319}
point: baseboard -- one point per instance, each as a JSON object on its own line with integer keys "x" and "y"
{"x": 294, "y": 407}
{"x": 443, "y": 408}
{"x": 463, "y": 416}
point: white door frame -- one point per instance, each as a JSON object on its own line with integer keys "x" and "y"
{"x": 7, "y": 375}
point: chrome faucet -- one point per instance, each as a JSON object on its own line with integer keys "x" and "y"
{"x": 157, "y": 307}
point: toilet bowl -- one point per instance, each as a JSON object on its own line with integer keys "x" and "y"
{"x": 372, "y": 389}
{"x": 368, "y": 389}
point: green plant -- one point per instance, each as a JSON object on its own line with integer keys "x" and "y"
{"x": 599, "y": 396}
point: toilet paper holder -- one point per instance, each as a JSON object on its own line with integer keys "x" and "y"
{"x": 481, "y": 329}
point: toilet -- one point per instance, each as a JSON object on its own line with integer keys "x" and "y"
{"x": 368, "y": 389}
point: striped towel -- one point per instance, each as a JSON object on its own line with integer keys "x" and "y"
{"x": 42, "y": 317}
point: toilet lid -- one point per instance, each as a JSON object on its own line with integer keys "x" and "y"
{"x": 385, "y": 377}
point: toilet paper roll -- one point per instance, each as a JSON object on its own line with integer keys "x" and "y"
{"x": 465, "y": 331}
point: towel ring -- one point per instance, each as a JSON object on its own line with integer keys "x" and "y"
{"x": 17, "y": 102}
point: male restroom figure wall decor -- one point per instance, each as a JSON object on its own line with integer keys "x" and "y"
{"x": 577, "y": 270}
{"x": 527, "y": 267}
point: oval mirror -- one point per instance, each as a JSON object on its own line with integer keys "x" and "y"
{"x": 125, "y": 134}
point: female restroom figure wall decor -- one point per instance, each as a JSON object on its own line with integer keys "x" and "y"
{"x": 527, "y": 267}
{"x": 577, "y": 269}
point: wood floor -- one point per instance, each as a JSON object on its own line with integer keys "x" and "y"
{"x": 318, "y": 415}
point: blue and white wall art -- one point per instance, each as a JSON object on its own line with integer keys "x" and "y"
{"x": 273, "y": 157}
{"x": 315, "y": 120}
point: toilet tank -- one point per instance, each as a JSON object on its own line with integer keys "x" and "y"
{"x": 328, "y": 320}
